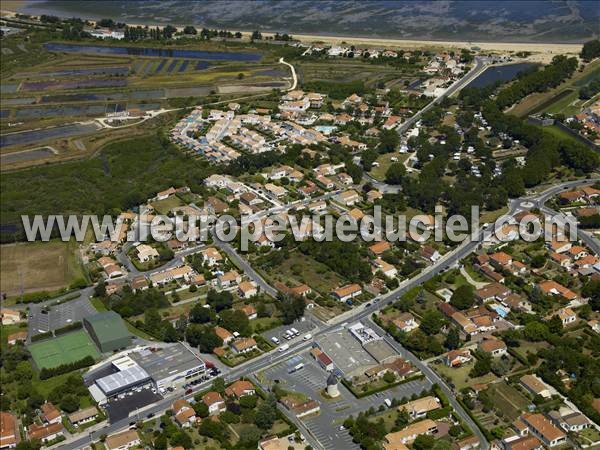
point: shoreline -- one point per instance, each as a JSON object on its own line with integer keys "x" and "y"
{"x": 544, "y": 51}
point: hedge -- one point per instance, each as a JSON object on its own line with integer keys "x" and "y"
{"x": 41, "y": 336}
{"x": 66, "y": 368}
{"x": 380, "y": 389}
{"x": 66, "y": 329}
{"x": 520, "y": 358}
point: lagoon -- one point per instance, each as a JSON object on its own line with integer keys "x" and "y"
{"x": 495, "y": 74}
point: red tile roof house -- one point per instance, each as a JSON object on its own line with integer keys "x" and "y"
{"x": 429, "y": 253}
{"x": 321, "y": 357}
{"x": 45, "y": 433}
{"x": 9, "y": 430}
{"x": 49, "y": 413}
{"x": 493, "y": 291}
{"x": 456, "y": 358}
{"x": 215, "y": 403}
{"x": 379, "y": 248}
{"x": 183, "y": 412}
{"x": 244, "y": 345}
{"x": 552, "y": 287}
{"x": 247, "y": 289}
{"x": 239, "y": 389}
{"x": 224, "y": 334}
{"x": 544, "y": 430}
{"x": 494, "y": 347}
{"x": 250, "y": 311}
{"x": 347, "y": 292}
{"x": 19, "y": 336}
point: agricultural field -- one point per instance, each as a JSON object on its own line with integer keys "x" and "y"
{"x": 564, "y": 99}
{"x": 39, "y": 266}
{"x": 352, "y": 70}
{"x": 47, "y": 85}
{"x": 62, "y": 350}
{"x": 509, "y": 400}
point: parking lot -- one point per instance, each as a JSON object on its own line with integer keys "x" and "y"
{"x": 311, "y": 380}
{"x": 120, "y": 408}
{"x": 303, "y": 326}
{"x": 50, "y": 318}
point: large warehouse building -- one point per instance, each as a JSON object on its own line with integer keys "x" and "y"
{"x": 169, "y": 367}
{"x": 127, "y": 375}
{"x": 108, "y": 331}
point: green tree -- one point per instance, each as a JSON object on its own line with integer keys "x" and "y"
{"x": 423, "y": 442}
{"x": 432, "y": 322}
{"x": 452, "y": 339}
{"x": 463, "y": 297}
{"x": 266, "y": 413}
{"x": 395, "y": 173}
{"x": 200, "y": 314}
{"x": 235, "y": 321}
{"x": 218, "y": 385}
{"x": 483, "y": 366}
{"x": 590, "y": 50}
{"x": 250, "y": 436}
{"x": 389, "y": 377}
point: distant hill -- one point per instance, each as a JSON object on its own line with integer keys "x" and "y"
{"x": 497, "y": 21}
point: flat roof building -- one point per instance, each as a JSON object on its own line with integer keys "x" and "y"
{"x": 108, "y": 331}
{"x": 170, "y": 366}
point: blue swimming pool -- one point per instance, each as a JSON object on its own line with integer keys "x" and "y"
{"x": 501, "y": 310}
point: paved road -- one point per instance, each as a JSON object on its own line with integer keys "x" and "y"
{"x": 435, "y": 378}
{"x": 480, "y": 65}
{"x": 248, "y": 269}
{"x": 590, "y": 240}
{"x": 364, "y": 312}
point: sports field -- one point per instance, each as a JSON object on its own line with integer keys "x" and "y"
{"x": 38, "y": 266}
{"x": 64, "y": 349}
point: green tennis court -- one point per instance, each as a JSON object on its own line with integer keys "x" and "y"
{"x": 62, "y": 350}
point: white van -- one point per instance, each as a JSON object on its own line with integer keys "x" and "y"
{"x": 284, "y": 347}
{"x": 296, "y": 332}
{"x": 275, "y": 340}
{"x": 307, "y": 337}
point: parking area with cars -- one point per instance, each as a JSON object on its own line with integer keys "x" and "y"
{"x": 303, "y": 374}
{"x": 49, "y": 318}
{"x": 291, "y": 333}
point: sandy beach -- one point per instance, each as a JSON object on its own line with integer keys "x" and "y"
{"x": 541, "y": 52}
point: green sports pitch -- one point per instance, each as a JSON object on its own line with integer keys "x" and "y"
{"x": 61, "y": 350}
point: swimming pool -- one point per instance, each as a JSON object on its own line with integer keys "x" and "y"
{"x": 501, "y": 310}
{"x": 326, "y": 129}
